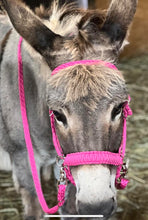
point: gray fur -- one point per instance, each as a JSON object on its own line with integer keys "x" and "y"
{"x": 86, "y": 128}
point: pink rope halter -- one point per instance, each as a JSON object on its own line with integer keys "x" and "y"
{"x": 73, "y": 159}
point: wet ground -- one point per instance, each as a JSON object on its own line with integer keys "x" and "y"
{"x": 132, "y": 202}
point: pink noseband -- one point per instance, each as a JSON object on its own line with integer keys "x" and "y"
{"x": 73, "y": 159}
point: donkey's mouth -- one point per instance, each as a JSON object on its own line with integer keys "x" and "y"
{"x": 103, "y": 210}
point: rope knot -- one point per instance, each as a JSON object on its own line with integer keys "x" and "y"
{"x": 122, "y": 183}
{"x": 127, "y": 111}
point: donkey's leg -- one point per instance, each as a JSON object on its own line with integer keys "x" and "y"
{"x": 24, "y": 184}
{"x": 46, "y": 172}
{"x": 32, "y": 209}
{"x": 5, "y": 162}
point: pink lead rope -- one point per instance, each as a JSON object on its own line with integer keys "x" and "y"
{"x": 73, "y": 159}
{"x": 61, "y": 188}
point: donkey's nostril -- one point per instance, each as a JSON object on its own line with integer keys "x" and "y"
{"x": 113, "y": 199}
{"x": 104, "y": 208}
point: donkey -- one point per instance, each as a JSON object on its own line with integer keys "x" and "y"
{"x": 86, "y": 100}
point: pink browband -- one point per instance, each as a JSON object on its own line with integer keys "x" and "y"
{"x": 73, "y": 159}
{"x": 84, "y": 62}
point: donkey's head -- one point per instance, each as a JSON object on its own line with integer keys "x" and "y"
{"x": 87, "y": 100}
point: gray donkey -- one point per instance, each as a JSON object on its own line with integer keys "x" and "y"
{"x": 87, "y": 101}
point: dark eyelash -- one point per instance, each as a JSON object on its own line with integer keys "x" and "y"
{"x": 117, "y": 110}
{"x": 60, "y": 117}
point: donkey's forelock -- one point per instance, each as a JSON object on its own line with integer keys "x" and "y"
{"x": 88, "y": 82}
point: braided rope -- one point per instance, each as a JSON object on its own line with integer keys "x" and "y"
{"x": 61, "y": 188}
{"x": 121, "y": 183}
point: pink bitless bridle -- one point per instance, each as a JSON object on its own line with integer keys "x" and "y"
{"x": 73, "y": 159}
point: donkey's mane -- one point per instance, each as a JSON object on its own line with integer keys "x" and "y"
{"x": 68, "y": 18}
{"x": 89, "y": 83}
{"x": 77, "y": 25}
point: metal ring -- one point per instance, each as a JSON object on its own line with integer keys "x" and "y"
{"x": 58, "y": 159}
{"x": 51, "y": 114}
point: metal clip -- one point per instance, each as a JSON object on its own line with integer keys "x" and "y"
{"x": 62, "y": 180}
{"x": 124, "y": 170}
{"x": 60, "y": 161}
{"x": 51, "y": 114}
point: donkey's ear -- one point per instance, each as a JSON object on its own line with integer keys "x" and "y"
{"x": 118, "y": 19}
{"x": 32, "y": 29}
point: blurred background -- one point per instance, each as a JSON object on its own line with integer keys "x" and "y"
{"x": 133, "y": 201}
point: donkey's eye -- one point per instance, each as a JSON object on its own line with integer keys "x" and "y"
{"x": 117, "y": 111}
{"x": 60, "y": 117}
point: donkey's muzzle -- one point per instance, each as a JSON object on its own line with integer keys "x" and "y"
{"x": 106, "y": 208}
